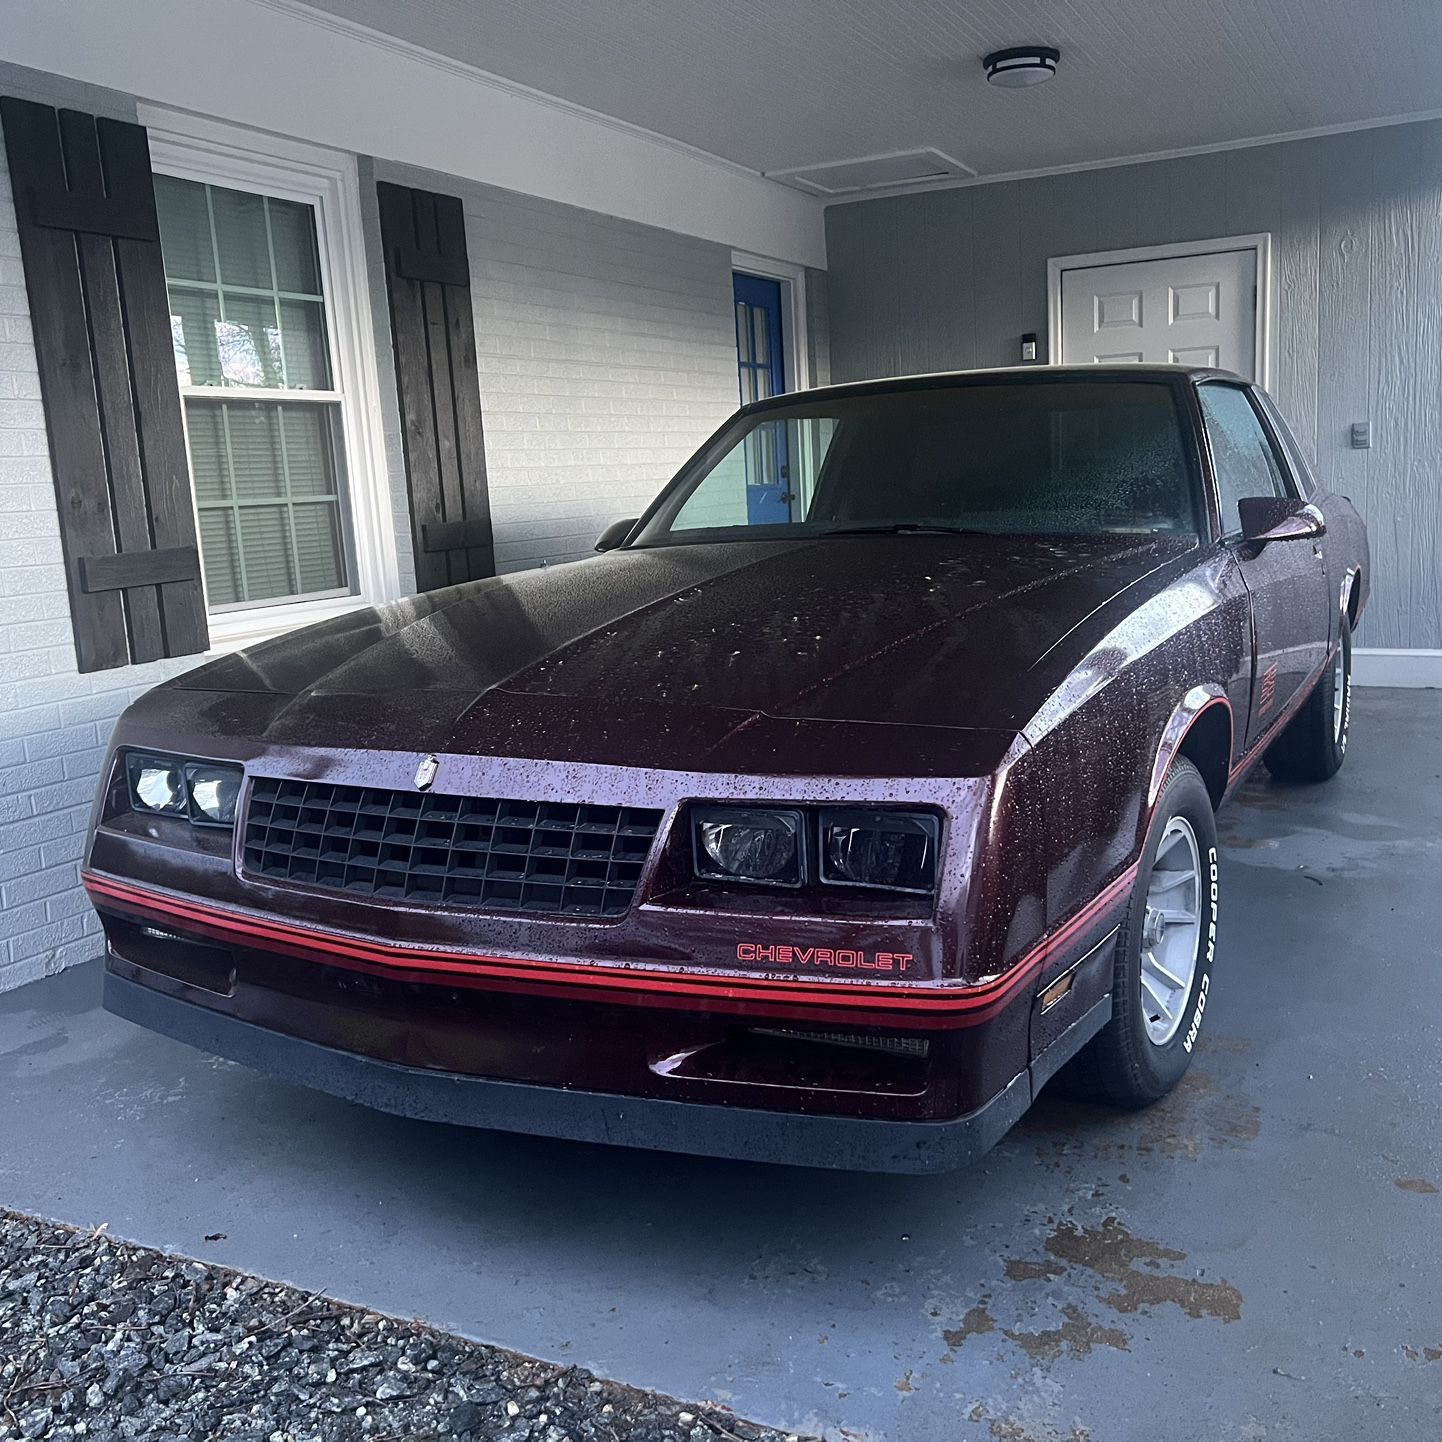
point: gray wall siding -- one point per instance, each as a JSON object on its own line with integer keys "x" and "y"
{"x": 607, "y": 354}
{"x": 952, "y": 279}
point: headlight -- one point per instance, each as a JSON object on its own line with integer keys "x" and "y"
{"x": 893, "y": 850}
{"x": 214, "y": 790}
{"x": 735, "y": 844}
{"x": 156, "y": 784}
{"x": 204, "y": 791}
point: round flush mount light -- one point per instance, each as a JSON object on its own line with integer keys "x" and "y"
{"x": 1021, "y": 66}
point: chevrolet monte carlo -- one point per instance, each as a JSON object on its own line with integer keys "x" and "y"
{"x": 848, "y": 795}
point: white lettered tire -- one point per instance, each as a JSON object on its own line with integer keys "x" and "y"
{"x": 1313, "y": 744}
{"x": 1165, "y": 949}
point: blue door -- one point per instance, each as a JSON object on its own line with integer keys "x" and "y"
{"x": 762, "y": 370}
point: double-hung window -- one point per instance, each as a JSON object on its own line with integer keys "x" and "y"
{"x": 268, "y": 329}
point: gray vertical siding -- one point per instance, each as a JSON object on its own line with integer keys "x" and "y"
{"x": 952, "y": 279}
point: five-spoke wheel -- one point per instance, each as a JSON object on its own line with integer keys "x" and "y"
{"x": 1171, "y": 930}
{"x": 1161, "y": 966}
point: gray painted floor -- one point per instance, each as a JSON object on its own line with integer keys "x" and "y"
{"x": 1258, "y": 1258}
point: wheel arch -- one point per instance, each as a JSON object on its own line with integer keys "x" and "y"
{"x": 1200, "y": 728}
{"x": 1352, "y": 595}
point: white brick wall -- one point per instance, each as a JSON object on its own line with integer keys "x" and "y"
{"x": 607, "y": 354}
{"x": 54, "y": 723}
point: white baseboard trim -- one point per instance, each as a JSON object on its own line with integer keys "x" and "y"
{"x": 1381, "y": 666}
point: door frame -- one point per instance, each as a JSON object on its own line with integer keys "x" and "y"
{"x": 1260, "y": 243}
{"x": 795, "y": 352}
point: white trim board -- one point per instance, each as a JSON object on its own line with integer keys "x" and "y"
{"x": 289, "y": 70}
{"x": 1381, "y": 666}
{"x": 328, "y": 20}
{"x": 1260, "y": 242}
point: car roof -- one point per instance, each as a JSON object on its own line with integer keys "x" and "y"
{"x": 939, "y": 380}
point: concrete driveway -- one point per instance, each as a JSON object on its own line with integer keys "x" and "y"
{"x": 1259, "y": 1258}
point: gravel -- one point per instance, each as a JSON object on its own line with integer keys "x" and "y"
{"x": 102, "y": 1340}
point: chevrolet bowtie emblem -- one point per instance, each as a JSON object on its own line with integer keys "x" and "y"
{"x": 426, "y": 772}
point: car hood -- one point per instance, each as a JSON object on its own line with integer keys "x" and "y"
{"x": 912, "y": 630}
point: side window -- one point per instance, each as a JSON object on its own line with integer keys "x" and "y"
{"x": 1242, "y": 454}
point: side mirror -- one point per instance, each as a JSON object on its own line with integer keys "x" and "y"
{"x": 1279, "y": 518}
{"x": 614, "y": 534}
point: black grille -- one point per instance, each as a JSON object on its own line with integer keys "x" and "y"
{"x": 532, "y": 856}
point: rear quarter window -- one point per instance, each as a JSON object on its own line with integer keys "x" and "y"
{"x": 1303, "y": 473}
{"x": 1243, "y": 457}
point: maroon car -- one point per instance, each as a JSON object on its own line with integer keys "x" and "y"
{"x": 858, "y": 787}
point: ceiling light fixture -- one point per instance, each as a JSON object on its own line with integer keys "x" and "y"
{"x": 1021, "y": 66}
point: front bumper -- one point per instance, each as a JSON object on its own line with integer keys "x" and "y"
{"x": 802, "y": 1078}
{"x": 848, "y": 1143}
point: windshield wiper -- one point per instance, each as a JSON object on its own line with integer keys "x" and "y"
{"x": 903, "y": 528}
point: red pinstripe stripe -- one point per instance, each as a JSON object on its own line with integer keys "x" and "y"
{"x": 644, "y": 985}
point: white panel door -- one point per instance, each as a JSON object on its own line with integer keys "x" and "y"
{"x": 1197, "y": 310}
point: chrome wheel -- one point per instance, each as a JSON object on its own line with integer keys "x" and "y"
{"x": 1339, "y": 695}
{"x": 1171, "y": 930}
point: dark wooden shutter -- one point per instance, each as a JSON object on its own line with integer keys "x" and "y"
{"x": 429, "y": 281}
{"x": 85, "y": 203}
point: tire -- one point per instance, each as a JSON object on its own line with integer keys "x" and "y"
{"x": 1130, "y": 1062}
{"x": 1314, "y": 743}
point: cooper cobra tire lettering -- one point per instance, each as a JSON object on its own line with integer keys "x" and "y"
{"x": 1346, "y": 712}
{"x": 1191, "y": 1037}
{"x": 1122, "y": 1064}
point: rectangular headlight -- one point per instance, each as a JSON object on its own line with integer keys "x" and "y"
{"x": 157, "y": 784}
{"x": 214, "y": 791}
{"x": 204, "y": 791}
{"x": 885, "y": 850}
{"x": 761, "y": 846}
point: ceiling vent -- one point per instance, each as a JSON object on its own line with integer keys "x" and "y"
{"x": 874, "y": 172}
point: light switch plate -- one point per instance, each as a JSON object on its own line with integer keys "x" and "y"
{"x": 1361, "y": 435}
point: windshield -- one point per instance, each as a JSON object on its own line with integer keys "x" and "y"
{"x": 1034, "y": 457}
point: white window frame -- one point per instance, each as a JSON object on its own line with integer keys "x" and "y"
{"x": 1260, "y": 243}
{"x": 210, "y": 152}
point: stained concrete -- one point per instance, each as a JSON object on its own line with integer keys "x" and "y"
{"x": 1259, "y": 1258}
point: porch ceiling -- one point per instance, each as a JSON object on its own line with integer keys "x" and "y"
{"x": 777, "y": 86}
